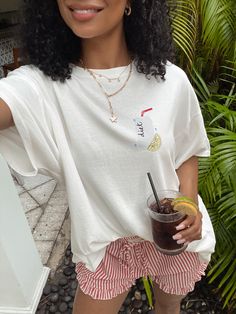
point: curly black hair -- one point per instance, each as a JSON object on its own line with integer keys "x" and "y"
{"x": 50, "y": 44}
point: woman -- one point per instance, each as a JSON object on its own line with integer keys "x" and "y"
{"x": 98, "y": 108}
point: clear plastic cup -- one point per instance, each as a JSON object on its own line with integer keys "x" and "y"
{"x": 164, "y": 224}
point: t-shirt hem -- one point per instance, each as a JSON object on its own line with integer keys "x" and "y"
{"x": 206, "y": 154}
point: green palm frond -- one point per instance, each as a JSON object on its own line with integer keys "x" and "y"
{"x": 184, "y": 15}
{"x": 226, "y": 207}
{"x": 224, "y": 268}
{"x": 217, "y": 169}
{"x": 148, "y": 285}
{"x": 204, "y": 32}
{"x": 223, "y": 236}
{"x": 218, "y": 25}
{"x": 228, "y": 71}
{"x": 217, "y": 185}
{"x": 209, "y": 180}
{"x": 201, "y": 87}
{"x": 219, "y": 114}
{"x": 205, "y": 35}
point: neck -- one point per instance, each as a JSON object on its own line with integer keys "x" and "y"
{"x": 105, "y": 52}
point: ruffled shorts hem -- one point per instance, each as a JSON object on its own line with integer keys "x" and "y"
{"x": 171, "y": 287}
{"x": 125, "y": 261}
{"x": 106, "y": 293}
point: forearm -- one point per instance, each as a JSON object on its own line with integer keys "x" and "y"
{"x": 191, "y": 228}
{"x": 188, "y": 178}
{"x": 6, "y": 119}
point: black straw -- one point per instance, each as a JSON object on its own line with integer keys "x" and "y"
{"x": 154, "y": 190}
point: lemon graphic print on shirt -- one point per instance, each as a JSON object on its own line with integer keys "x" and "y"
{"x": 155, "y": 144}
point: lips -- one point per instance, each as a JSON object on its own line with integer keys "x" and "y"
{"x": 82, "y": 9}
{"x": 86, "y": 11}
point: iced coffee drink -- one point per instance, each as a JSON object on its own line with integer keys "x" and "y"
{"x": 164, "y": 221}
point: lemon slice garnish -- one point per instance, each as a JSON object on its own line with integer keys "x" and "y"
{"x": 185, "y": 205}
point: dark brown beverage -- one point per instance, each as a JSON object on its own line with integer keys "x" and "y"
{"x": 164, "y": 221}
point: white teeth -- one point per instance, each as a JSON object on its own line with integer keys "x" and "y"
{"x": 86, "y": 11}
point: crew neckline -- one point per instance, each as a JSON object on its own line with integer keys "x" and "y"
{"x": 112, "y": 71}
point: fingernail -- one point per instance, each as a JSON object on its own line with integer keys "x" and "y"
{"x": 180, "y": 227}
{"x": 177, "y": 237}
{"x": 181, "y": 241}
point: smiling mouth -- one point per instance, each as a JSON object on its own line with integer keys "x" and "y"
{"x": 86, "y": 11}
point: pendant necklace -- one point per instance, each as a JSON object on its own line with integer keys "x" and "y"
{"x": 110, "y": 79}
{"x": 113, "y": 117}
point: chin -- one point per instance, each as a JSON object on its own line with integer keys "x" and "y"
{"x": 85, "y": 33}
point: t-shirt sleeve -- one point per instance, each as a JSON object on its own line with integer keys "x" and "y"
{"x": 190, "y": 134}
{"x": 28, "y": 147}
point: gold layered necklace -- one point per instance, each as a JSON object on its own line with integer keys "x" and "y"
{"x": 108, "y": 96}
{"x": 111, "y": 79}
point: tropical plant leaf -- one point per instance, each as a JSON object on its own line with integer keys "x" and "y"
{"x": 201, "y": 88}
{"x": 184, "y": 23}
{"x": 218, "y": 25}
{"x": 204, "y": 32}
{"x": 148, "y": 290}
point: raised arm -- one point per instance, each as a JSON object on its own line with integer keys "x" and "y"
{"x": 188, "y": 178}
{"x": 6, "y": 119}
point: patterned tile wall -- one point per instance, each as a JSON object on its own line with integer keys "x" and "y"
{"x": 6, "y": 56}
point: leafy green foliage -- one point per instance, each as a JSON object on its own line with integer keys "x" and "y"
{"x": 217, "y": 183}
{"x": 148, "y": 289}
{"x": 205, "y": 36}
{"x": 204, "y": 33}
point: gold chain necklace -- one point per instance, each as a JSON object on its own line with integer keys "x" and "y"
{"x": 113, "y": 117}
{"x": 110, "y": 79}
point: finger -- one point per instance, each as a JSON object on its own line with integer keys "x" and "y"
{"x": 188, "y": 237}
{"x": 190, "y": 234}
{"x": 193, "y": 232}
{"x": 186, "y": 223}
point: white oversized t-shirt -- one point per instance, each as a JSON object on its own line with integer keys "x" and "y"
{"x": 63, "y": 130}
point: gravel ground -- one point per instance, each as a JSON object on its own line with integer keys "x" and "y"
{"x": 59, "y": 292}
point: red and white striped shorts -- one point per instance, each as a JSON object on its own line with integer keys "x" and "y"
{"x": 127, "y": 259}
